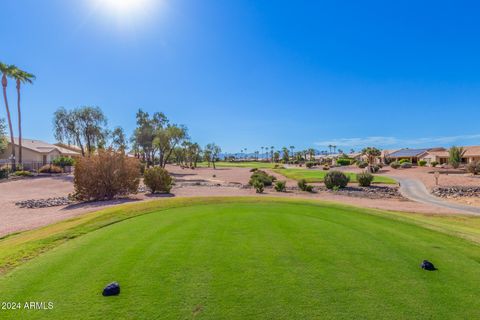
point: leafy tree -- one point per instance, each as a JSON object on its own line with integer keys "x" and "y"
{"x": 167, "y": 139}
{"x": 371, "y": 153}
{"x": 83, "y": 126}
{"x": 119, "y": 139}
{"x": 455, "y": 155}
{"x": 285, "y": 155}
{"x": 213, "y": 152}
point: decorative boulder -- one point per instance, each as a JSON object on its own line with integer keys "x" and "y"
{"x": 112, "y": 289}
{"x": 427, "y": 265}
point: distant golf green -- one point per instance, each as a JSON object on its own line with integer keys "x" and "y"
{"x": 255, "y": 258}
{"x": 314, "y": 175}
{"x": 246, "y": 164}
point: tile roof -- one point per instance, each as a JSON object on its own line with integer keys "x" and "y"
{"x": 43, "y": 147}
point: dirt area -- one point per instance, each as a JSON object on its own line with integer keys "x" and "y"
{"x": 198, "y": 182}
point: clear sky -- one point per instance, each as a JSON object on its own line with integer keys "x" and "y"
{"x": 251, "y": 73}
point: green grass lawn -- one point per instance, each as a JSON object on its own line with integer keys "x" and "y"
{"x": 313, "y": 175}
{"x": 246, "y": 258}
{"x": 247, "y": 164}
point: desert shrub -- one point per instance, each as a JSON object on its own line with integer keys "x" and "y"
{"x": 374, "y": 169}
{"x": 474, "y": 167}
{"x": 259, "y": 186}
{"x": 22, "y": 173}
{"x": 344, "y": 162}
{"x": 50, "y": 168}
{"x": 63, "y": 162}
{"x": 280, "y": 186}
{"x": 395, "y": 165}
{"x": 106, "y": 175}
{"x": 434, "y": 163}
{"x": 302, "y": 185}
{"x": 422, "y": 163}
{"x": 406, "y": 165}
{"x": 380, "y": 165}
{"x": 403, "y": 161}
{"x": 336, "y": 178}
{"x": 364, "y": 179}
{"x": 326, "y": 168}
{"x": 3, "y": 173}
{"x": 309, "y": 164}
{"x": 263, "y": 177}
{"x": 362, "y": 164}
{"x": 157, "y": 179}
{"x": 277, "y": 166}
{"x": 253, "y": 169}
{"x": 455, "y": 156}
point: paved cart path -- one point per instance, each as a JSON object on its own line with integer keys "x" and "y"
{"x": 415, "y": 190}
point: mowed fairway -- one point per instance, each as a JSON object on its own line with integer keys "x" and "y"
{"x": 253, "y": 259}
{"x": 239, "y": 164}
{"x": 314, "y": 175}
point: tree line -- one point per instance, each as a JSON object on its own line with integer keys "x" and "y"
{"x": 155, "y": 140}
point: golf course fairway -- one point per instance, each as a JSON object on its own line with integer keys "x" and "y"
{"x": 252, "y": 259}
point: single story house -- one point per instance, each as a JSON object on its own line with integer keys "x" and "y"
{"x": 36, "y": 153}
{"x": 438, "y": 156}
{"x": 412, "y": 155}
{"x": 472, "y": 153}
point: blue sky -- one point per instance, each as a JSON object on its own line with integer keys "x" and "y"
{"x": 246, "y": 73}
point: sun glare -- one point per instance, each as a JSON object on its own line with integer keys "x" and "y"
{"x": 126, "y": 13}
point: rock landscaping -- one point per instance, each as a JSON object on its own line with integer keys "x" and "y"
{"x": 457, "y": 191}
{"x": 44, "y": 203}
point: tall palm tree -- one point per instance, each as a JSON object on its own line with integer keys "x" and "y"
{"x": 330, "y": 148}
{"x": 262, "y": 150}
{"x": 20, "y": 77}
{"x": 291, "y": 148}
{"x": 271, "y": 152}
{"x": 6, "y": 71}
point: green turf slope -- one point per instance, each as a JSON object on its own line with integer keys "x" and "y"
{"x": 253, "y": 260}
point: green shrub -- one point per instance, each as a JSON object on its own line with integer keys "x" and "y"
{"x": 406, "y": 165}
{"x": 253, "y": 169}
{"x": 259, "y": 186}
{"x": 3, "y": 173}
{"x": 263, "y": 177}
{"x": 344, "y": 162}
{"x": 50, "y": 168}
{"x": 474, "y": 167}
{"x": 63, "y": 162}
{"x": 362, "y": 164}
{"x": 22, "y": 173}
{"x": 326, "y": 168}
{"x": 309, "y": 164}
{"x": 280, "y": 186}
{"x": 157, "y": 179}
{"x": 336, "y": 178}
{"x": 364, "y": 179}
{"x": 422, "y": 163}
{"x": 403, "y": 161}
{"x": 434, "y": 163}
{"x": 375, "y": 168}
{"x": 277, "y": 166}
{"x": 302, "y": 185}
{"x": 106, "y": 175}
{"x": 395, "y": 165}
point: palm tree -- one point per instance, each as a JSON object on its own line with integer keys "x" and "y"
{"x": 271, "y": 152}
{"x": 291, "y": 148}
{"x": 330, "y": 148}
{"x": 334, "y": 148}
{"x": 262, "y": 150}
{"x": 7, "y": 70}
{"x": 20, "y": 77}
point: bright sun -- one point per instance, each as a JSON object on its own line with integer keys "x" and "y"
{"x": 124, "y": 7}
